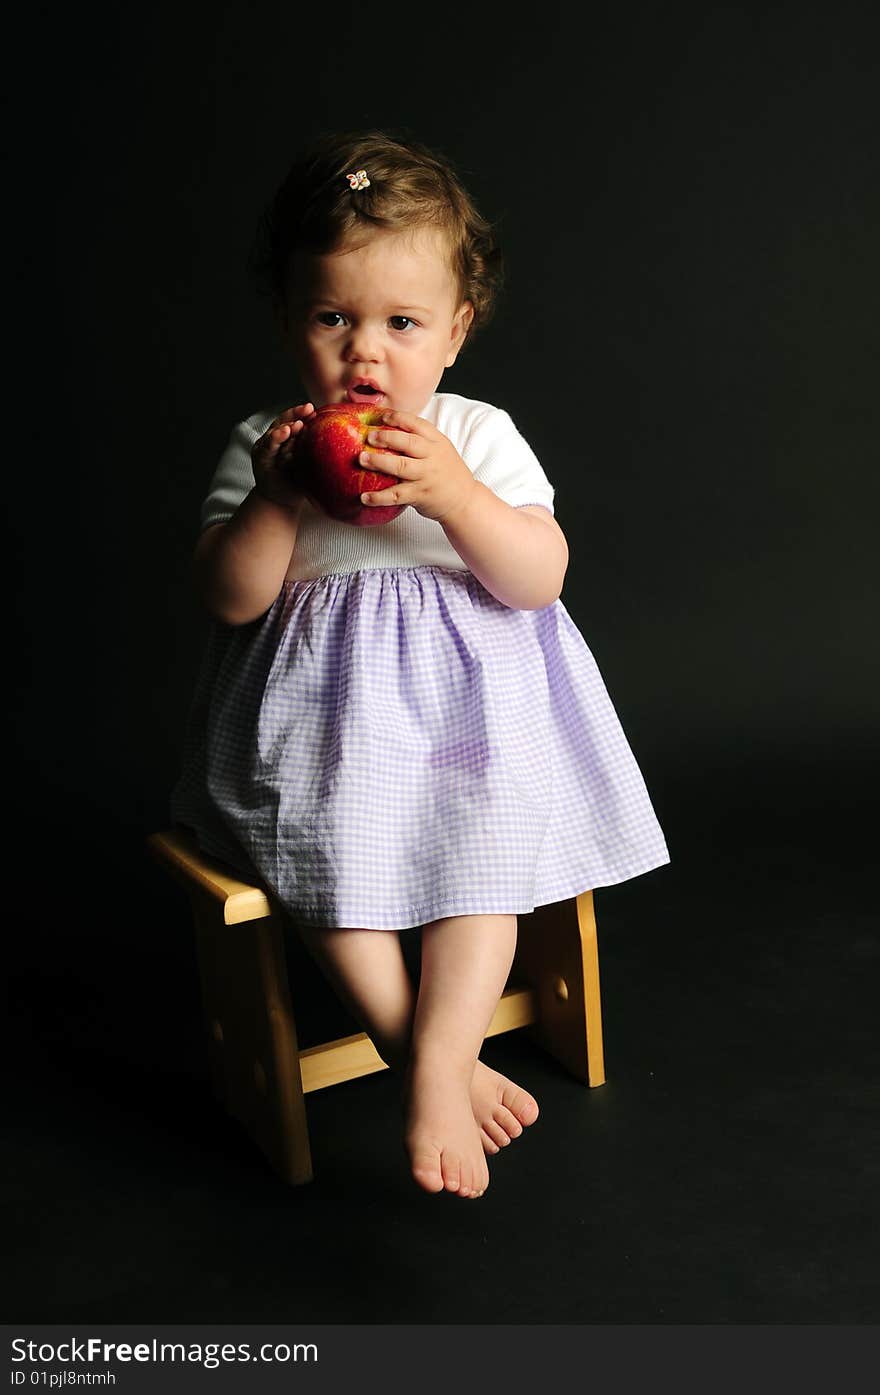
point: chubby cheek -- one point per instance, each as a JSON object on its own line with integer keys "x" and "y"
{"x": 310, "y": 351}
{"x": 313, "y": 366}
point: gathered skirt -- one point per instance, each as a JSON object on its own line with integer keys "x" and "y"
{"x": 390, "y": 746}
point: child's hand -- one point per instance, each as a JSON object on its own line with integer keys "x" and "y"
{"x": 271, "y": 457}
{"x": 434, "y": 478}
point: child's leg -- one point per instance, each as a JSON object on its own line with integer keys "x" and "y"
{"x": 368, "y": 971}
{"x": 465, "y": 964}
{"x": 369, "y": 974}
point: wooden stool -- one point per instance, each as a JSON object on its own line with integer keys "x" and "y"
{"x": 259, "y": 1073}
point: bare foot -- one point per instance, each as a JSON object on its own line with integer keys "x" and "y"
{"x": 501, "y": 1108}
{"x": 442, "y": 1137}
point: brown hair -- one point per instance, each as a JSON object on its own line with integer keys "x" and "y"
{"x": 316, "y": 209}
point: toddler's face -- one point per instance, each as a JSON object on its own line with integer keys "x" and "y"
{"x": 376, "y": 322}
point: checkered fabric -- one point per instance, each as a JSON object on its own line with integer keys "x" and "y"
{"x": 392, "y": 745}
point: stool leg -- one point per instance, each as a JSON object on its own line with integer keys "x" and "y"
{"x": 557, "y": 956}
{"x": 252, "y": 1034}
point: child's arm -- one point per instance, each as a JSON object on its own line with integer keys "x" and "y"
{"x": 240, "y": 565}
{"x": 519, "y": 554}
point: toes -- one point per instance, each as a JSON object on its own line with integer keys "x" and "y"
{"x": 427, "y": 1171}
{"x": 521, "y": 1104}
{"x": 452, "y": 1172}
{"x": 528, "y": 1112}
{"x": 507, "y": 1121}
{"x": 464, "y": 1178}
{"x": 489, "y": 1144}
{"x": 498, "y": 1134}
{"x": 429, "y": 1180}
{"x": 495, "y": 1098}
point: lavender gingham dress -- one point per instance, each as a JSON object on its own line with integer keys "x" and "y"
{"x": 390, "y": 744}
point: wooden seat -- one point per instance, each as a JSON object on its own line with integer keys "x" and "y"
{"x": 259, "y": 1073}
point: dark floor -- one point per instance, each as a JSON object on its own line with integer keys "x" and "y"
{"x": 727, "y": 1172}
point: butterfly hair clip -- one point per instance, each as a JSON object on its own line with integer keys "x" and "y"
{"x": 358, "y": 180}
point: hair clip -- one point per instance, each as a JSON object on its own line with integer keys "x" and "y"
{"x": 358, "y": 180}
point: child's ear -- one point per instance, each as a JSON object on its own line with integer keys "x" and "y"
{"x": 460, "y": 326}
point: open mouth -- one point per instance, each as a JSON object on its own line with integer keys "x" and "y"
{"x": 365, "y": 392}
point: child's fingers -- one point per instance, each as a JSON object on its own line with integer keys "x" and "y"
{"x": 285, "y": 452}
{"x": 277, "y": 435}
{"x": 403, "y": 442}
{"x": 405, "y": 421}
{"x": 304, "y": 409}
{"x": 394, "y": 494}
{"x": 292, "y": 417}
{"x": 269, "y": 444}
{"x": 282, "y": 431}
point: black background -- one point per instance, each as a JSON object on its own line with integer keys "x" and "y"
{"x": 687, "y": 197}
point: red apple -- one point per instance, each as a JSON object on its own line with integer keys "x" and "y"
{"x": 326, "y": 463}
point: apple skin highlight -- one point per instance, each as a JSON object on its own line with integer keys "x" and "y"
{"x": 326, "y": 464}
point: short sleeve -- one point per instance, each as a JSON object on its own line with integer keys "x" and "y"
{"x": 233, "y": 478}
{"x": 503, "y": 460}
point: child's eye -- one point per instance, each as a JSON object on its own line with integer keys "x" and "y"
{"x": 330, "y": 318}
{"x": 400, "y": 322}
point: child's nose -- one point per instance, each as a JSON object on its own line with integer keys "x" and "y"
{"x": 364, "y": 345}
